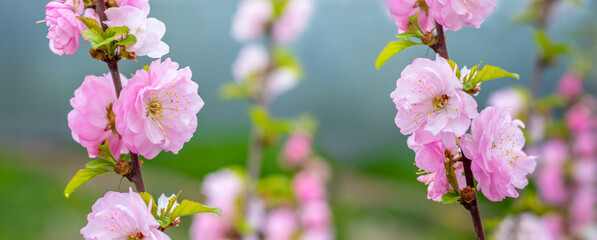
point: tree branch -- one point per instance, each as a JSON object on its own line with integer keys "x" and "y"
{"x": 136, "y": 176}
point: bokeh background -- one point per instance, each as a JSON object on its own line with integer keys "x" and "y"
{"x": 375, "y": 194}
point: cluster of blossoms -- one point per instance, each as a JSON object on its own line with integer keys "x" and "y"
{"x": 434, "y": 108}
{"x": 66, "y": 29}
{"x": 154, "y": 110}
{"x": 302, "y": 212}
{"x": 452, "y": 14}
{"x": 266, "y": 71}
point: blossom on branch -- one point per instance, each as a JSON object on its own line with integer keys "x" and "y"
{"x": 495, "y": 148}
{"x": 92, "y": 120}
{"x": 454, "y": 14}
{"x": 122, "y": 216}
{"x": 158, "y": 109}
{"x": 401, "y": 10}
{"x": 65, "y": 28}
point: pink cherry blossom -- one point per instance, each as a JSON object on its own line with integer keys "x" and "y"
{"x": 148, "y": 31}
{"x": 580, "y": 117}
{"x": 293, "y": 21}
{"x": 508, "y": 98}
{"x": 582, "y": 207}
{"x": 308, "y": 186}
{"x": 280, "y": 224}
{"x": 317, "y": 234}
{"x": 430, "y": 101}
{"x": 570, "y": 85}
{"x": 315, "y": 215}
{"x": 280, "y": 81}
{"x": 495, "y": 148}
{"x": 122, "y": 216}
{"x": 400, "y": 10}
{"x": 251, "y": 19}
{"x": 92, "y": 120}
{"x": 585, "y": 144}
{"x": 431, "y": 159}
{"x": 551, "y": 181}
{"x": 297, "y": 148}
{"x": 252, "y": 61}
{"x": 142, "y": 5}
{"x": 158, "y": 109}
{"x": 65, "y": 29}
{"x": 222, "y": 189}
{"x": 209, "y": 227}
{"x": 524, "y": 226}
{"x": 454, "y": 14}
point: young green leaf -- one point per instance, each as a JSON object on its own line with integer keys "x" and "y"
{"x": 99, "y": 163}
{"x": 234, "y": 91}
{"x": 106, "y": 153}
{"x": 392, "y": 49}
{"x": 116, "y": 31}
{"x": 171, "y": 202}
{"x": 90, "y": 23}
{"x": 414, "y": 20}
{"x": 408, "y": 35}
{"x": 548, "y": 49}
{"x": 285, "y": 58}
{"x": 187, "y": 207}
{"x": 450, "y": 197}
{"x": 81, "y": 177}
{"x": 147, "y": 198}
{"x": 491, "y": 72}
{"x": 454, "y": 66}
{"x": 92, "y": 35}
{"x": 128, "y": 40}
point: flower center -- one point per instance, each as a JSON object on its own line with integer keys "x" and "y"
{"x": 137, "y": 236}
{"x": 421, "y": 4}
{"x": 154, "y": 108}
{"x": 111, "y": 119}
{"x": 440, "y": 102}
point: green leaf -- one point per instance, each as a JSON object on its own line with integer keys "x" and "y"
{"x": 187, "y": 207}
{"x": 450, "y": 197}
{"x": 147, "y": 198}
{"x": 106, "y": 153}
{"x": 116, "y": 31}
{"x": 128, "y": 40}
{"x": 92, "y": 35}
{"x": 454, "y": 66}
{"x": 233, "y": 91}
{"x": 99, "y": 163}
{"x": 548, "y": 49}
{"x": 171, "y": 202}
{"x": 81, "y": 177}
{"x": 414, "y": 20}
{"x": 408, "y": 35}
{"x": 491, "y": 72}
{"x": 284, "y": 58}
{"x": 270, "y": 127}
{"x": 90, "y": 23}
{"x": 392, "y": 49}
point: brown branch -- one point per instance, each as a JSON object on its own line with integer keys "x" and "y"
{"x": 135, "y": 176}
{"x": 441, "y": 48}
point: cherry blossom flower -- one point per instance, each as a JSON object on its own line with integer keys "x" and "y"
{"x": 280, "y": 224}
{"x": 92, "y": 120}
{"x": 508, "y": 98}
{"x": 570, "y": 85}
{"x": 293, "y": 21}
{"x": 454, "y": 14}
{"x": 252, "y": 61}
{"x": 158, "y": 109}
{"x": 297, "y": 148}
{"x": 208, "y": 227}
{"x": 251, "y": 19}
{"x": 401, "y": 10}
{"x": 551, "y": 181}
{"x": 523, "y": 226}
{"x": 142, "y": 5}
{"x": 148, "y": 31}
{"x": 65, "y": 29}
{"x": 308, "y": 186}
{"x": 430, "y": 101}
{"x": 431, "y": 159}
{"x": 280, "y": 81}
{"x": 495, "y": 148}
{"x": 122, "y": 216}
{"x": 315, "y": 215}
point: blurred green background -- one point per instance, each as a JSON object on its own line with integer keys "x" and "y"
{"x": 375, "y": 193}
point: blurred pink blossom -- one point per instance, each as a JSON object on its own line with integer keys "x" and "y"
{"x": 92, "y": 120}
{"x": 297, "y": 148}
{"x": 585, "y": 144}
{"x": 122, "y": 216}
{"x": 158, "y": 109}
{"x": 251, "y": 19}
{"x": 209, "y": 227}
{"x": 308, "y": 186}
{"x": 280, "y": 224}
{"x": 495, "y": 148}
{"x": 280, "y": 81}
{"x": 430, "y": 101}
{"x": 579, "y": 118}
{"x": 551, "y": 182}
{"x": 315, "y": 215}
{"x": 570, "y": 85}
{"x": 65, "y": 29}
{"x": 523, "y": 226}
{"x": 252, "y": 60}
{"x": 148, "y": 31}
{"x": 431, "y": 158}
{"x": 222, "y": 188}
{"x": 454, "y": 14}
{"x": 400, "y": 10}
{"x": 508, "y": 98}
{"x": 582, "y": 207}
{"x": 293, "y": 21}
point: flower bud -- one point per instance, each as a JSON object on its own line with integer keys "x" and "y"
{"x": 468, "y": 194}
{"x": 122, "y": 167}
{"x": 97, "y": 54}
{"x": 429, "y": 39}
